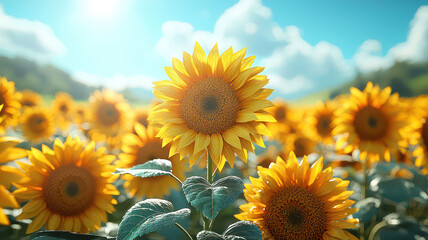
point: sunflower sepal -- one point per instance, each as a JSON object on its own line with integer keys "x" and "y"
{"x": 149, "y": 216}
{"x": 210, "y": 199}
{"x": 152, "y": 168}
{"x": 241, "y": 230}
{"x": 65, "y": 235}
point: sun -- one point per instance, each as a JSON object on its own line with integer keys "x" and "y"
{"x": 102, "y": 9}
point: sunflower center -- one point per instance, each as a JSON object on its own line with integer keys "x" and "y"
{"x": 28, "y": 103}
{"x": 295, "y": 213}
{"x": 69, "y": 190}
{"x": 37, "y": 123}
{"x": 210, "y": 106}
{"x": 324, "y": 125}
{"x": 280, "y": 113}
{"x": 302, "y": 146}
{"x": 370, "y": 123}
{"x": 150, "y": 151}
{"x": 108, "y": 114}
{"x": 425, "y": 132}
{"x": 63, "y": 108}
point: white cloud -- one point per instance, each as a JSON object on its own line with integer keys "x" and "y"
{"x": 308, "y": 67}
{"x": 294, "y": 66}
{"x": 29, "y": 38}
{"x": 414, "y": 49}
{"x": 117, "y": 82}
{"x": 246, "y": 24}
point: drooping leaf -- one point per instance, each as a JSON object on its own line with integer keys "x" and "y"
{"x": 398, "y": 190}
{"x": 242, "y": 230}
{"x": 401, "y": 227}
{"x": 367, "y": 209}
{"x": 211, "y": 198}
{"x": 149, "y": 216}
{"x": 208, "y": 235}
{"x": 64, "y": 235}
{"x": 152, "y": 168}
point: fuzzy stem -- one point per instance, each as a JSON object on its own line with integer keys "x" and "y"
{"x": 184, "y": 230}
{"x": 363, "y": 196}
{"x": 207, "y": 222}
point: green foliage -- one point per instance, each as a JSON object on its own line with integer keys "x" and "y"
{"x": 242, "y": 230}
{"x": 149, "y": 216}
{"x": 396, "y": 227}
{"x": 398, "y": 190}
{"x": 408, "y": 79}
{"x": 64, "y": 235}
{"x": 152, "y": 168}
{"x": 367, "y": 209}
{"x": 44, "y": 79}
{"x": 211, "y": 198}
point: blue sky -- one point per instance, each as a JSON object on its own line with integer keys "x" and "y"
{"x": 134, "y": 40}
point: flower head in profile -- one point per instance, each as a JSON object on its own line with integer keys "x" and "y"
{"x": 9, "y": 105}
{"x": 68, "y": 187}
{"x": 213, "y": 104}
{"x": 9, "y": 174}
{"x": 372, "y": 122}
{"x": 294, "y": 201}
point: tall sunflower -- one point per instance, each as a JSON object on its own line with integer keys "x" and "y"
{"x": 142, "y": 147}
{"x": 81, "y": 114}
{"x": 110, "y": 116}
{"x": 292, "y": 201}
{"x": 37, "y": 124}
{"x": 8, "y": 174}
{"x": 10, "y": 105}
{"x": 63, "y": 109}
{"x": 371, "y": 122}
{"x": 212, "y": 103}
{"x": 141, "y": 116}
{"x": 300, "y": 143}
{"x": 67, "y": 187}
{"x": 320, "y": 122}
{"x": 28, "y": 98}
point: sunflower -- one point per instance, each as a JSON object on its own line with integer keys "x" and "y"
{"x": 286, "y": 120}
{"x": 109, "y": 117}
{"x": 37, "y": 124}
{"x": 81, "y": 114}
{"x": 10, "y": 105}
{"x": 8, "y": 174}
{"x": 63, "y": 109}
{"x": 67, "y": 187}
{"x": 292, "y": 201}
{"x": 320, "y": 122}
{"x": 141, "y": 116}
{"x": 212, "y": 104}
{"x": 142, "y": 147}
{"x": 417, "y": 130}
{"x": 371, "y": 122}
{"x": 300, "y": 143}
{"x": 28, "y": 98}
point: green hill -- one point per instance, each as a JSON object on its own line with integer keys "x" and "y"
{"x": 44, "y": 79}
{"x": 408, "y": 79}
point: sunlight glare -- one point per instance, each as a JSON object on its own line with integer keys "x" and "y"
{"x": 102, "y": 9}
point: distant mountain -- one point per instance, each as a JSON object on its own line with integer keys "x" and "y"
{"x": 44, "y": 79}
{"x": 140, "y": 96}
{"x": 408, "y": 79}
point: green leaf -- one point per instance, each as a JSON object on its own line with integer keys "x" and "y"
{"x": 210, "y": 199}
{"x": 64, "y": 235}
{"x": 367, "y": 209}
{"x": 398, "y": 190}
{"x": 242, "y": 230}
{"x": 208, "y": 235}
{"x": 152, "y": 168}
{"x": 149, "y": 216}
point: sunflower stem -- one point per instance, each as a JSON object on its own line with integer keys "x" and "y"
{"x": 363, "y": 196}
{"x": 184, "y": 230}
{"x": 207, "y": 222}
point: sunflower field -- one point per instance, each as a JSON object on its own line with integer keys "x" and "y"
{"x": 213, "y": 157}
